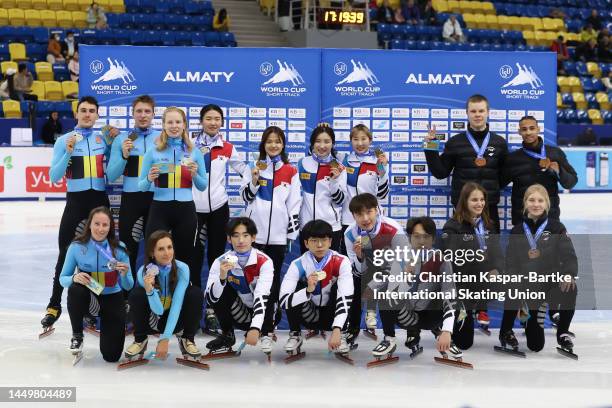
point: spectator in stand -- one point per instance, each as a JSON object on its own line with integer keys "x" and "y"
{"x": 604, "y": 54}
{"x": 429, "y": 15}
{"x": 587, "y": 51}
{"x": 69, "y": 45}
{"x": 52, "y": 129}
{"x": 560, "y": 48}
{"x": 23, "y": 84}
{"x": 594, "y": 20}
{"x": 411, "y": 13}
{"x": 54, "y": 49}
{"x": 4, "y": 90}
{"x": 587, "y": 33}
{"x": 607, "y": 81}
{"x": 385, "y": 13}
{"x": 586, "y": 138}
{"x": 96, "y": 18}
{"x": 73, "y": 67}
{"x": 451, "y": 31}
{"x": 221, "y": 22}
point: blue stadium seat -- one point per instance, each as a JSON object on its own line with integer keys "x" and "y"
{"x": 131, "y": 6}
{"x": 44, "y": 108}
{"x": 410, "y": 32}
{"x": 122, "y": 37}
{"x": 561, "y": 116}
{"x": 212, "y": 39}
{"x": 4, "y": 52}
{"x": 198, "y": 39}
{"x": 507, "y": 47}
{"x": 447, "y": 46}
{"x": 397, "y": 31}
{"x": 591, "y": 101}
{"x": 582, "y": 116}
{"x": 570, "y": 68}
{"x": 581, "y": 68}
{"x": 605, "y": 68}
{"x": 587, "y": 84}
{"x": 147, "y": 6}
{"x": 567, "y": 99}
{"x": 485, "y": 47}
{"x": 410, "y": 45}
{"x": 174, "y": 22}
{"x": 89, "y": 37}
{"x": 168, "y": 38}
{"x": 436, "y": 45}
{"x": 570, "y": 116}
{"x": 157, "y": 22}
{"x": 60, "y": 72}
{"x": 142, "y": 21}
{"x": 182, "y": 38}
{"x": 106, "y": 37}
{"x": 126, "y": 21}
{"x": 112, "y": 20}
{"x": 597, "y": 85}
{"x": 423, "y": 45}
{"x": 36, "y": 52}
{"x": 208, "y": 22}
{"x": 607, "y": 116}
{"x": 138, "y": 37}
{"x": 520, "y": 47}
{"x": 397, "y": 44}
{"x": 228, "y": 40}
{"x": 194, "y": 7}
{"x": 176, "y": 6}
{"x": 9, "y": 34}
{"x": 162, "y": 7}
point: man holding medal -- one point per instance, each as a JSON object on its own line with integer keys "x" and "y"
{"x": 536, "y": 163}
{"x": 474, "y": 155}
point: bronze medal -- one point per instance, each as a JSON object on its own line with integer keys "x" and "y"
{"x": 261, "y": 165}
{"x": 533, "y": 253}
{"x": 480, "y": 161}
{"x": 545, "y": 163}
{"x": 334, "y": 164}
{"x": 133, "y": 136}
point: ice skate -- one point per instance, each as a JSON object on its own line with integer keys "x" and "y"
{"x": 48, "y": 321}
{"x": 509, "y": 344}
{"x": 371, "y": 323}
{"x": 191, "y": 354}
{"x": 383, "y": 353}
{"x": 76, "y": 348}
{"x": 413, "y": 343}
{"x": 315, "y": 333}
{"x": 134, "y": 355}
{"x": 566, "y": 346}
{"x": 211, "y": 324}
{"x": 293, "y": 347}
{"x": 454, "y": 357}
{"x": 482, "y": 318}
{"x": 265, "y": 343}
{"x": 90, "y": 325}
{"x": 221, "y": 347}
{"x": 342, "y": 352}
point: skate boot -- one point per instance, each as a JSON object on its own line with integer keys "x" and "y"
{"x": 509, "y": 344}
{"x": 266, "y": 343}
{"x": 211, "y": 323}
{"x": 566, "y": 346}
{"x": 90, "y": 325}
{"x": 134, "y": 355}
{"x": 371, "y": 323}
{"x": 413, "y": 343}
{"x": 554, "y": 318}
{"x": 221, "y": 346}
{"x": 49, "y": 320}
{"x": 453, "y": 357}
{"x": 482, "y": 317}
{"x": 191, "y": 354}
{"x": 351, "y": 338}
{"x": 293, "y": 347}
{"x": 342, "y": 352}
{"x": 383, "y": 352}
{"x": 76, "y": 347}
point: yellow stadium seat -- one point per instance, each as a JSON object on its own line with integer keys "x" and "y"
{"x": 104, "y": 4}
{"x": 476, "y": 7}
{"x": 55, "y": 5}
{"x": 70, "y": 87}
{"x": 515, "y": 23}
{"x": 453, "y": 6}
{"x": 32, "y": 18}
{"x": 47, "y": 18}
{"x": 64, "y": 18}
{"x": 559, "y": 24}
{"x": 79, "y": 19}
{"x": 12, "y": 109}
{"x": 470, "y": 20}
{"x": 536, "y": 23}
{"x": 575, "y": 85}
{"x": 548, "y": 24}
{"x": 9, "y": 4}
{"x": 16, "y": 17}
{"x": 4, "y": 65}
{"x": 487, "y": 7}
{"x": 550, "y": 37}
{"x": 480, "y": 21}
{"x": 579, "y": 100}
{"x": 441, "y": 6}
{"x": 603, "y": 100}
{"x": 17, "y": 51}
{"x": 491, "y": 20}
{"x": 268, "y": 5}
{"x": 38, "y": 89}
{"x": 4, "y": 21}
{"x": 563, "y": 84}
{"x": 559, "y": 101}
{"x": 465, "y": 6}
{"x": 39, "y": 4}
{"x": 71, "y": 5}
{"x": 53, "y": 91}
{"x": 504, "y": 23}
{"x": 529, "y": 37}
{"x": 572, "y": 37}
{"x": 24, "y": 4}
{"x": 593, "y": 69}
{"x": 595, "y": 116}
{"x": 44, "y": 71}
{"x": 541, "y": 38}
{"x": 74, "y": 107}
{"x": 83, "y": 4}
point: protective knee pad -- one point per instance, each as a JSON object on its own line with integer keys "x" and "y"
{"x": 203, "y": 234}
{"x": 138, "y": 230}
{"x": 94, "y": 305}
{"x": 542, "y": 314}
{"x": 407, "y": 318}
{"x": 310, "y": 313}
{"x": 240, "y": 312}
{"x": 80, "y": 227}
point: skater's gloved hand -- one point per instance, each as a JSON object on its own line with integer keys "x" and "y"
{"x": 252, "y": 337}
{"x": 122, "y": 268}
{"x": 312, "y": 282}
{"x": 334, "y": 339}
{"x": 224, "y": 269}
{"x": 444, "y": 340}
{"x": 149, "y": 280}
{"x": 161, "y": 352}
{"x": 567, "y": 286}
{"x": 81, "y": 278}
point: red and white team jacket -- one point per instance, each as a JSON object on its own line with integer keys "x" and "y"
{"x": 362, "y": 177}
{"x": 274, "y": 204}
{"x": 322, "y": 196}
{"x": 337, "y": 269}
{"x": 252, "y": 283}
{"x": 216, "y": 158}
{"x": 386, "y": 234}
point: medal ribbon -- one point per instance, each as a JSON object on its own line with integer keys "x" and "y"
{"x": 105, "y": 251}
{"x": 480, "y": 231}
{"x": 531, "y": 238}
{"x": 542, "y": 154}
{"x": 478, "y": 149}
{"x": 319, "y": 265}
{"x": 322, "y": 160}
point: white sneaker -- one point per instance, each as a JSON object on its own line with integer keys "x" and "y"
{"x": 370, "y": 319}
{"x": 295, "y": 341}
{"x": 265, "y": 342}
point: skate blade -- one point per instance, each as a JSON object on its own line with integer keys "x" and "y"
{"x": 295, "y": 357}
{"x": 382, "y": 361}
{"x": 314, "y": 333}
{"x": 371, "y": 334}
{"x": 92, "y": 331}
{"x": 454, "y": 363}
{"x": 345, "y": 358}
{"x": 76, "y": 358}
{"x": 512, "y": 352}
{"x": 414, "y": 354}
{"x": 485, "y": 330}
{"x": 216, "y": 356}
{"x": 567, "y": 353}
{"x": 132, "y": 363}
{"x": 46, "y": 332}
{"x": 190, "y": 362}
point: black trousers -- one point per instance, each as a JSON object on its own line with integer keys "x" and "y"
{"x": 233, "y": 313}
{"x": 277, "y": 253}
{"x": 429, "y": 319}
{"x": 112, "y": 318}
{"x": 337, "y": 238}
{"x": 77, "y": 209}
{"x": 211, "y": 233}
{"x": 311, "y": 315}
{"x": 188, "y": 321}
{"x": 178, "y": 217}
{"x": 133, "y": 217}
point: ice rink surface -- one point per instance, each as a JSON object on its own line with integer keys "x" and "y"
{"x": 28, "y": 237}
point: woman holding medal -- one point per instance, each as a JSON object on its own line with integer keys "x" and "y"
{"x": 323, "y": 184}
{"x": 471, "y": 229}
{"x": 171, "y": 169}
{"x": 103, "y": 271}
{"x": 541, "y": 244}
{"x": 164, "y": 301}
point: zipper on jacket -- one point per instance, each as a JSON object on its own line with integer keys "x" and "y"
{"x": 314, "y": 193}
{"x": 271, "y": 204}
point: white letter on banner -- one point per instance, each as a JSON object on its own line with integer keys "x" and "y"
{"x": 469, "y": 78}
{"x": 228, "y": 76}
{"x": 169, "y": 77}
{"x": 411, "y": 79}
{"x": 435, "y": 78}
{"x": 193, "y": 76}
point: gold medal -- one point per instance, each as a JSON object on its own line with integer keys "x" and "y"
{"x": 480, "y": 161}
{"x": 378, "y": 152}
{"x": 545, "y": 163}
{"x": 320, "y": 275}
{"x": 261, "y": 165}
{"x": 334, "y": 164}
{"x": 533, "y": 253}
{"x": 365, "y": 240}
{"x": 204, "y": 149}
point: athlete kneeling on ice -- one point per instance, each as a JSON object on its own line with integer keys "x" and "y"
{"x": 164, "y": 301}
{"x": 103, "y": 270}
{"x": 243, "y": 303}
{"x": 317, "y": 289}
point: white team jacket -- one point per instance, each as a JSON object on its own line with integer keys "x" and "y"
{"x": 252, "y": 283}
{"x": 337, "y": 269}
{"x": 322, "y": 196}
{"x": 274, "y": 204}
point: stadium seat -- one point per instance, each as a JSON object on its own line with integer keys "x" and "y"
{"x": 529, "y": 37}
{"x": 503, "y": 23}
{"x": 79, "y": 19}
{"x": 16, "y": 17}
{"x": 55, "y": 5}
{"x": 593, "y": 69}
{"x": 12, "y": 109}
{"x": 60, "y": 72}
{"x": 4, "y": 65}
{"x": 602, "y": 100}
{"x": 4, "y": 53}
{"x": 17, "y": 51}
{"x": 574, "y": 84}
{"x": 570, "y": 68}
{"x": 64, "y": 19}
{"x": 563, "y": 84}
{"x": 83, "y": 4}
{"x": 44, "y": 71}
{"x": 470, "y": 20}
{"x": 75, "y": 103}
{"x": 9, "y": 4}
{"x": 147, "y": 6}
{"x": 116, "y": 6}
{"x": 70, "y": 5}
{"x": 38, "y": 89}
{"x": 595, "y": 117}
{"x": 48, "y": 19}
{"x": 453, "y": 6}
{"x": 559, "y": 101}
{"x": 579, "y": 100}
{"x": 53, "y": 91}
{"x": 70, "y": 87}
{"x": 570, "y": 116}
{"x": 4, "y": 18}
{"x": 441, "y": 6}
{"x": 39, "y": 4}
{"x": 228, "y": 40}
{"x": 23, "y": 4}
{"x": 607, "y": 116}
{"x": 32, "y": 18}
{"x": 591, "y": 100}
{"x": 582, "y": 116}
{"x": 568, "y": 100}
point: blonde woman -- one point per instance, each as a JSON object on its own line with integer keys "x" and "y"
{"x": 173, "y": 167}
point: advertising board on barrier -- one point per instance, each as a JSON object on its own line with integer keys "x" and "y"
{"x": 24, "y": 172}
